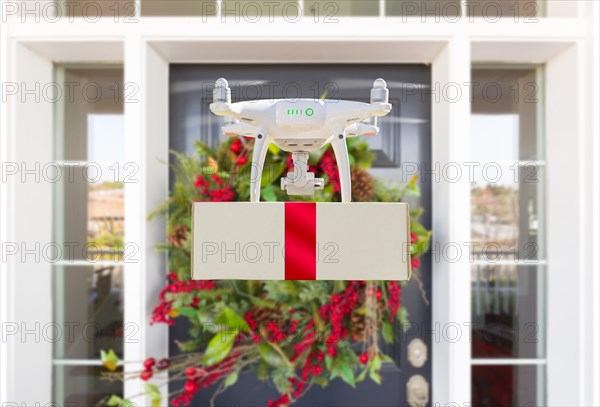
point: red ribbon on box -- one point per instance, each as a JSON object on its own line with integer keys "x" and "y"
{"x": 300, "y": 241}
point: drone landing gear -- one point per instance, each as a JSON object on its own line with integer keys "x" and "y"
{"x": 261, "y": 145}
{"x": 300, "y": 181}
{"x": 340, "y": 150}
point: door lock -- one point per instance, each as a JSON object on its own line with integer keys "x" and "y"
{"x": 417, "y": 391}
{"x": 417, "y": 352}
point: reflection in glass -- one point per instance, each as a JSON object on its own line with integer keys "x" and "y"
{"x": 505, "y": 215}
{"x": 90, "y": 213}
{"x": 93, "y": 10}
{"x": 506, "y": 124}
{"x": 88, "y": 224}
{"x": 90, "y": 125}
{"x": 253, "y": 11}
{"x": 507, "y": 385}
{"x": 507, "y": 310}
{"x": 507, "y": 176}
{"x": 89, "y": 187}
{"x": 179, "y": 8}
{"x": 330, "y": 10}
{"x": 81, "y": 386}
{"x": 88, "y": 311}
{"x": 423, "y": 8}
{"x": 507, "y": 232}
{"x": 517, "y": 10}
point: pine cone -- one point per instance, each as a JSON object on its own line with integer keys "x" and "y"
{"x": 178, "y": 236}
{"x": 264, "y": 315}
{"x": 357, "y": 327}
{"x": 363, "y": 185}
{"x": 358, "y": 319}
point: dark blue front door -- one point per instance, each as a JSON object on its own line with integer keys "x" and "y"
{"x": 405, "y": 137}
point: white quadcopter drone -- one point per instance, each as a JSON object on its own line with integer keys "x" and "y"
{"x": 299, "y": 127}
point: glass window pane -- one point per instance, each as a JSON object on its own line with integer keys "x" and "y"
{"x": 88, "y": 311}
{"x": 505, "y": 121}
{"x": 179, "y": 8}
{"x": 423, "y": 8}
{"x": 507, "y": 232}
{"x": 254, "y": 11}
{"x": 90, "y": 213}
{"x": 90, "y": 125}
{"x": 519, "y": 10}
{"x": 507, "y": 311}
{"x": 505, "y": 213}
{"x": 81, "y": 386}
{"x": 507, "y": 386}
{"x": 331, "y": 9}
{"x": 92, "y": 10}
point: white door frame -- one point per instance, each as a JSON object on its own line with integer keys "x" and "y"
{"x": 146, "y": 49}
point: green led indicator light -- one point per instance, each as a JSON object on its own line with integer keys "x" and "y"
{"x": 310, "y": 111}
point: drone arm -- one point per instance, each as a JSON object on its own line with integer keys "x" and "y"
{"x": 340, "y": 150}
{"x": 353, "y": 112}
{"x": 361, "y": 129}
{"x": 239, "y": 129}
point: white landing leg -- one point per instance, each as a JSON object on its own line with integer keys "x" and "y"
{"x": 341, "y": 156}
{"x": 261, "y": 145}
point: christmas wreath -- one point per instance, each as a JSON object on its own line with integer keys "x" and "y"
{"x": 294, "y": 334}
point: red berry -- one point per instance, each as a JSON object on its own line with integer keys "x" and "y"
{"x": 413, "y": 237}
{"x": 163, "y": 364}
{"x": 146, "y": 375}
{"x": 190, "y": 371}
{"x": 148, "y": 363}
{"x": 364, "y": 358}
{"x": 190, "y": 386}
{"x": 236, "y": 146}
{"x": 241, "y": 160}
{"x": 378, "y": 295}
{"x": 415, "y": 262}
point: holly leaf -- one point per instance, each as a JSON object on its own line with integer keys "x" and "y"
{"x": 109, "y": 359}
{"x": 116, "y": 401}
{"x": 274, "y": 149}
{"x": 375, "y": 376}
{"x": 347, "y": 374}
{"x": 268, "y": 193}
{"x": 205, "y": 317}
{"x": 328, "y": 362}
{"x": 388, "y": 332}
{"x": 362, "y": 375}
{"x": 231, "y": 379}
{"x": 375, "y": 364}
{"x": 387, "y": 359}
{"x": 262, "y": 370}
{"x": 188, "y": 312}
{"x": 270, "y": 355}
{"x": 321, "y": 381}
{"x": 230, "y": 318}
{"x": 154, "y": 394}
{"x": 351, "y": 160}
{"x": 219, "y": 347}
{"x": 272, "y": 172}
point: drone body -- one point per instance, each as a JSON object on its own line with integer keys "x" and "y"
{"x": 299, "y": 127}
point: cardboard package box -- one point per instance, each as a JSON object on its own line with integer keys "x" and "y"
{"x": 300, "y": 241}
